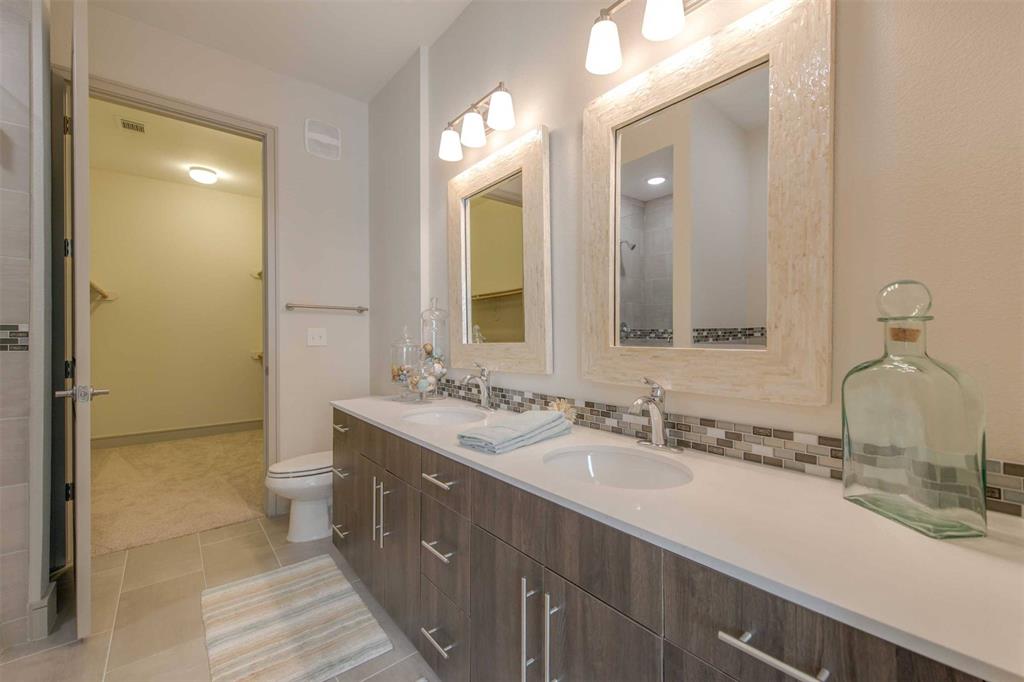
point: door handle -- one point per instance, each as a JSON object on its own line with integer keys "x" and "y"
{"x": 742, "y": 643}
{"x": 548, "y": 612}
{"x": 381, "y": 535}
{"x": 433, "y": 478}
{"x": 373, "y": 527}
{"x": 443, "y": 650}
{"x": 340, "y": 429}
{"x": 444, "y": 558}
{"x": 82, "y": 394}
{"x": 524, "y": 594}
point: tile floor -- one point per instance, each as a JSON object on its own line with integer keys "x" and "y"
{"x": 148, "y": 621}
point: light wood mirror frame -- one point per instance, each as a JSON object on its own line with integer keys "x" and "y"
{"x": 529, "y": 155}
{"x": 795, "y": 38}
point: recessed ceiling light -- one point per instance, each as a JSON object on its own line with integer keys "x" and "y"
{"x": 204, "y": 176}
{"x": 656, "y": 180}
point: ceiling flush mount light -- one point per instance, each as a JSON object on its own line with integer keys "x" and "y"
{"x": 663, "y": 19}
{"x": 496, "y": 105}
{"x": 656, "y": 180}
{"x": 202, "y": 175}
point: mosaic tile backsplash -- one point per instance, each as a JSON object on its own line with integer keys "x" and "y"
{"x": 806, "y": 453}
{"x": 13, "y": 337}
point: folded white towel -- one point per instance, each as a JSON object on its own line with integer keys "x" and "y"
{"x": 516, "y": 432}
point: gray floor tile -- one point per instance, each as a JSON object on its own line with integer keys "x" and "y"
{"x": 80, "y": 661}
{"x": 162, "y": 561}
{"x": 237, "y": 558}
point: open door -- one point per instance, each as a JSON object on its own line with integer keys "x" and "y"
{"x": 78, "y": 389}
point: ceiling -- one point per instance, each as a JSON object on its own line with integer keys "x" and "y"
{"x": 634, "y": 175}
{"x": 169, "y": 146}
{"x": 352, "y": 47}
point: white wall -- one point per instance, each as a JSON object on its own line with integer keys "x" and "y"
{"x": 175, "y": 348}
{"x": 928, "y": 177}
{"x": 322, "y": 206}
{"x": 394, "y": 219}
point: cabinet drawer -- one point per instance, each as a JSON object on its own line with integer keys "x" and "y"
{"x": 700, "y": 603}
{"x": 443, "y": 638}
{"x": 402, "y": 458}
{"x": 683, "y": 667}
{"x": 373, "y": 442}
{"x": 618, "y": 568}
{"x": 341, "y": 441}
{"x": 588, "y": 640}
{"x": 444, "y": 550}
{"x": 516, "y": 516}
{"x": 445, "y": 480}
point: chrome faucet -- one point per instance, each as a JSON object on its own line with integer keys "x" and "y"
{"x": 655, "y": 404}
{"x": 483, "y": 380}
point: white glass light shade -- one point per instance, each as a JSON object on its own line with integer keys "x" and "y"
{"x": 204, "y": 176}
{"x": 473, "y": 134}
{"x": 663, "y": 19}
{"x": 451, "y": 147}
{"x": 604, "y": 55}
{"x": 500, "y": 114}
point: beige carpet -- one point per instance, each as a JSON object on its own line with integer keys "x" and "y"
{"x": 146, "y": 493}
{"x": 303, "y": 622}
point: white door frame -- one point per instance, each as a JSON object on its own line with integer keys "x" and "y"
{"x": 118, "y": 93}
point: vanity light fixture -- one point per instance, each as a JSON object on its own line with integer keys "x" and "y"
{"x": 656, "y": 180}
{"x": 202, "y": 175}
{"x": 496, "y": 105}
{"x": 663, "y": 19}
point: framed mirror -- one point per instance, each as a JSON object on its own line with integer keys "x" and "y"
{"x": 707, "y": 251}
{"x": 499, "y": 259}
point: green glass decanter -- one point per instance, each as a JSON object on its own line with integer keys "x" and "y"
{"x": 914, "y": 428}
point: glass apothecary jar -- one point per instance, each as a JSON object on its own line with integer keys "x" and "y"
{"x": 405, "y": 363}
{"x": 434, "y": 340}
{"x": 914, "y": 428}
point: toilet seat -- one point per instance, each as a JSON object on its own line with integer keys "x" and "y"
{"x": 302, "y": 466}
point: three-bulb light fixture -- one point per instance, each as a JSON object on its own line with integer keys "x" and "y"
{"x": 496, "y": 105}
{"x": 663, "y": 19}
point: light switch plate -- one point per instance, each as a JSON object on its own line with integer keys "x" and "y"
{"x": 316, "y": 336}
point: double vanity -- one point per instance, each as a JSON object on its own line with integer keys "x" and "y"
{"x": 588, "y": 558}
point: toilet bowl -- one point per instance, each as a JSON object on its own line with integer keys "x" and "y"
{"x": 306, "y": 482}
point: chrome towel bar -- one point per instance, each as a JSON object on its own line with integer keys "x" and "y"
{"x": 312, "y": 306}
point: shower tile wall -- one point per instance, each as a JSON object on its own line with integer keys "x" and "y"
{"x": 645, "y": 273}
{"x": 14, "y": 315}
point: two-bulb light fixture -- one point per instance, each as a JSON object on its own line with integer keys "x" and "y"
{"x": 663, "y": 19}
{"x": 496, "y": 105}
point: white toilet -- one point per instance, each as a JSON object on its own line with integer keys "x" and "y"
{"x": 306, "y": 482}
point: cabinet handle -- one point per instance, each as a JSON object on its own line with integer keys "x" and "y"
{"x": 443, "y": 650}
{"x": 341, "y": 429}
{"x": 373, "y": 528}
{"x": 341, "y": 533}
{"x": 548, "y": 612}
{"x": 743, "y": 644}
{"x": 433, "y": 478}
{"x": 429, "y": 546}
{"x": 342, "y": 474}
{"x": 380, "y": 536}
{"x": 524, "y": 662}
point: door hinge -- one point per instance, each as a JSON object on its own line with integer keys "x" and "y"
{"x": 67, "y": 125}
{"x": 69, "y": 248}
{"x": 69, "y": 369}
{"x": 69, "y": 492}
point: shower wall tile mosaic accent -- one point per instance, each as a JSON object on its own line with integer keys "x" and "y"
{"x": 808, "y": 453}
{"x": 660, "y": 334}
{"x": 13, "y": 337}
{"x": 728, "y": 334}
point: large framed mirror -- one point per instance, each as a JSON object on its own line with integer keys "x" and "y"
{"x": 707, "y": 250}
{"x": 499, "y": 259}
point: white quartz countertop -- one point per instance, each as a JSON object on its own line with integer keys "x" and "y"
{"x": 960, "y": 602}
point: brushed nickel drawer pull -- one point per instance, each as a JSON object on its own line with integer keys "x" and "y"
{"x": 433, "y": 478}
{"x": 742, "y": 643}
{"x": 443, "y": 650}
{"x": 341, "y": 429}
{"x": 524, "y": 594}
{"x": 342, "y": 474}
{"x": 429, "y": 546}
{"x": 373, "y": 526}
{"x": 549, "y": 611}
{"x": 341, "y": 533}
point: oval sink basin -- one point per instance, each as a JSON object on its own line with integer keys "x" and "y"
{"x": 444, "y": 416}
{"x": 618, "y": 467}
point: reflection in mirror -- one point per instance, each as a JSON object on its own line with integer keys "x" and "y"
{"x": 494, "y": 233}
{"x": 691, "y": 254}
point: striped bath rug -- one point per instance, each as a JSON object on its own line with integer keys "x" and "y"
{"x": 301, "y": 622}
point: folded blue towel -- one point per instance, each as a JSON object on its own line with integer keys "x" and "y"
{"x": 516, "y": 432}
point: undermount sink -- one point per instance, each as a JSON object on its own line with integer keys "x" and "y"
{"x": 618, "y": 467}
{"x": 444, "y": 416}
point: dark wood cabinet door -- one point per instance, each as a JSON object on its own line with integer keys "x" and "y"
{"x": 364, "y": 554}
{"x": 591, "y": 641}
{"x": 620, "y": 569}
{"x": 374, "y": 443}
{"x": 444, "y": 550}
{"x": 514, "y": 515}
{"x": 402, "y": 458}
{"x": 399, "y": 545}
{"x": 681, "y": 666}
{"x": 445, "y": 480}
{"x": 444, "y": 639}
{"x": 497, "y": 595}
